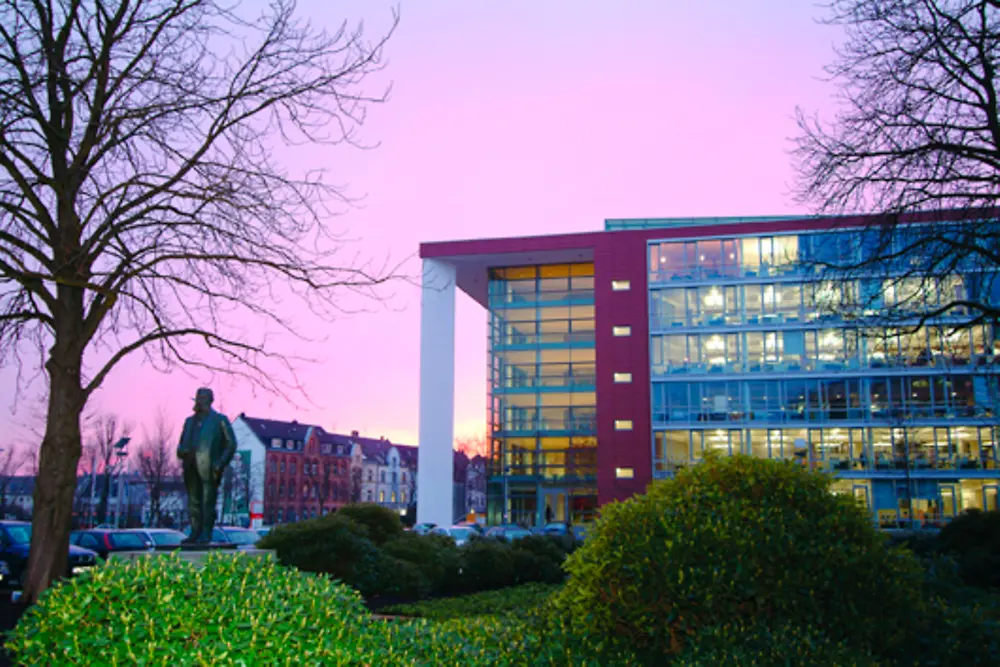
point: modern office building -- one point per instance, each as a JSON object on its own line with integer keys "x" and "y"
{"x": 620, "y": 356}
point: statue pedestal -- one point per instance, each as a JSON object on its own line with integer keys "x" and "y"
{"x": 194, "y": 554}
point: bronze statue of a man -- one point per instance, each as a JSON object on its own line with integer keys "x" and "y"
{"x": 207, "y": 446}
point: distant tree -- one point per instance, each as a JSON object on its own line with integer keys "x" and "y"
{"x": 144, "y": 208}
{"x": 917, "y": 128}
{"x": 156, "y": 461}
{"x": 10, "y": 462}
{"x": 108, "y": 429}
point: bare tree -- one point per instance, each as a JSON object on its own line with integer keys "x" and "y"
{"x": 10, "y": 462}
{"x": 108, "y": 430}
{"x": 156, "y": 461}
{"x": 917, "y": 140}
{"x": 141, "y": 207}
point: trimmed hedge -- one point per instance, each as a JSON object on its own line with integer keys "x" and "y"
{"x": 407, "y": 565}
{"x": 973, "y": 540}
{"x": 382, "y": 523}
{"x": 238, "y": 609}
{"x": 517, "y": 600}
{"x": 334, "y": 545}
{"x": 164, "y": 611}
{"x": 732, "y": 540}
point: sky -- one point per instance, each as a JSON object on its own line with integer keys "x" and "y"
{"x": 516, "y": 118}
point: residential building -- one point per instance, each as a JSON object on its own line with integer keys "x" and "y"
{"x": 620, "y": 356}
{"x": 388, "y": 472}
{"x": 309, "y": 471}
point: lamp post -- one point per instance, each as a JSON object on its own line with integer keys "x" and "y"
{"x": 121, "y": 451}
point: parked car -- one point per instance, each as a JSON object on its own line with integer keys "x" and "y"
{"x": 162, "y": 539}
{"x": 424, "y": 528}
{"x": 509, "y": 533}
{"x": 462, "y": 534}
{"x": 106, "y": 542}
{"x": 15, "y": 541}
{"x": 478, "y": 528}
{"x": 243, "y": 538}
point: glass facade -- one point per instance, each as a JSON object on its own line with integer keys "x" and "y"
{"x": 542, "y": 395}
{"x": 754, "y": 350}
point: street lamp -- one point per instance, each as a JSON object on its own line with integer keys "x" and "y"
{"x": 121, "y": 452}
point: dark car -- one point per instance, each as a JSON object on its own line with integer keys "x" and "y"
{"x": 509, "y": 533}
{"x": 106, "y": 542}
{"x": 15, "y": 541}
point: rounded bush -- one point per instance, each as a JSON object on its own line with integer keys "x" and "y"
{"x": 436, "y": 556}
{"x": 164, "y": 611}
{"x": 731, "y": 646}
{"x": 973, "y": 540}
{"x": 732, "y": 540}
{"x": 487, "y": 564}
{"x": 382, "y": 523}
{"x": 333, "y": 544}
{"x": 538, "y": 559}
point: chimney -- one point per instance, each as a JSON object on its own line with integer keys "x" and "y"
{"x": 354, "y": 434}
{"x": 382, "y": 438}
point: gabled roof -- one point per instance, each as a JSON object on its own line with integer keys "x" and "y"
{"x": 268, "y": 429}
{"x": 371, "y": 448}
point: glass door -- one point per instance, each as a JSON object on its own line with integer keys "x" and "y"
{"x": 949, "y": 502}
{"x": 554, "y": 510}
{"x": 990, "y": 501}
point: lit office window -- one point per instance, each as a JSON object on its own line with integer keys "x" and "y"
{"x": 623, "y": 424}
{"x": 623, "y": 378}
{"x": 624, "y": 473}
{"x": 621, "y": 285}
{"x": 621, "y": 331}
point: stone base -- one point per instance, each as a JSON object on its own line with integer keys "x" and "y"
{"x": 194, "y": 556}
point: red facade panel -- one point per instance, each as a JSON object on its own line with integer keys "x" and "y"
{"x": 622, "y": 257}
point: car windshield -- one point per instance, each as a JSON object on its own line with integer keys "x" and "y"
{"x": 128, "y": 541}
{"x": 242, "y": 536}
{"x": 19, "y": 534}
{"x": 461, "y": 532}
{"x": 167, "y": 539}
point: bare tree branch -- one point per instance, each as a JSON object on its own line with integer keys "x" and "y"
{"x": 143, "y": 210}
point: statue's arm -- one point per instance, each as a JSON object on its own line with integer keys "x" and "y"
{"x": 180, "y": 443}
{"x": 229, "y": 444}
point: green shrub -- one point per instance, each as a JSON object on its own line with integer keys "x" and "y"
{"x": 163, "y": 611}
{"x": 238, "y": 609}
{"x": 487, "y": 564}
{"x": 538, "y": 558}
{"x": 973, "y": 540}
{"x": 436, "y": 556}
{"x": 331, "y": 544}
{"x": 734, "y": 539}
{"x": 517, "y": 600}
{"x": 730, "y": 646}
{"x": 399, "y": 578}
{"x": 382, "y": 523}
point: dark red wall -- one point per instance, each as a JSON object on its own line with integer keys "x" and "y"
{"x": 622, "y": 257}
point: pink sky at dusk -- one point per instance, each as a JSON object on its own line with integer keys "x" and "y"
{"x": 517, "y": 118}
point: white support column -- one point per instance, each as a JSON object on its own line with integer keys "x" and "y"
{"x": 435, "y": 460}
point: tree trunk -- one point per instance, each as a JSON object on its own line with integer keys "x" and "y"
{"x": 56, "y": 481}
